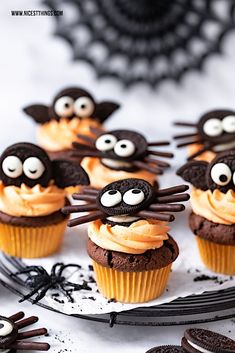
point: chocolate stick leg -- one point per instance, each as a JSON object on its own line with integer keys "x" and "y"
{"x": 26, "y": 322}
{"x": 32, "y": 333}
{"x": 17, "y": 316}
{"x": 30, "y": 346}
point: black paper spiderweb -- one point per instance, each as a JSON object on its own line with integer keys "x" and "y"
{"x": 144, "y": 40}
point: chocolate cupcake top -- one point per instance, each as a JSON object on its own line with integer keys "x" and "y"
{"x": 11, "y": 339}
{"x": 215, "y": 131}
{"x": 32, "y": 185}
{"x": 69, "y": 103}
{"x": 200, "y": 340}
{"x": 125, "y": 150}
{"x": 129, "y": 215}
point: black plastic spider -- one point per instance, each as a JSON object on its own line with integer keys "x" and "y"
{"x": 40, "y": 281}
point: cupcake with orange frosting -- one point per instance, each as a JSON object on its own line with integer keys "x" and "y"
{"x": 214, "y": 133}
{"x": 72, "y": 112}
{"x": 32, "y": 193}
{"x": 121, "y": 154}
{"x": 128, "y": 238}
{"x": 213, "y": 210}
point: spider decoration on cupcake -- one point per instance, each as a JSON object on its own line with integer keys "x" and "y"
{"x": 215, "y": 131}
{"x": 219, "y": 174}
{"x": 125, "y": 150}
{"x": 72, "y": 102}
{"x": 40, "y": 281}
{"x": 26, "y": 163}
{"x": 126, "y": 201}
{"x": 11, "y": 339}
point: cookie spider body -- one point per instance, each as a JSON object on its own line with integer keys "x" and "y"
{"x": 215, "y": 131}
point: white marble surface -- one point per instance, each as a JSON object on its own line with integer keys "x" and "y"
{"x": 33, "y": 67}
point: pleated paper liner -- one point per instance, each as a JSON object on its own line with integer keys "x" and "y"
{"x": 31, "y": 242}
{"x": 217, "y": 257}
{"x": 131, "y": 287}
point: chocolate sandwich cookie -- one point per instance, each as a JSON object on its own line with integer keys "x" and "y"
{"x": 166, "y": 349}
{"x": 12, "y": 340}
{"x": 197, "y": 340}
{"x": 214, "y": 131}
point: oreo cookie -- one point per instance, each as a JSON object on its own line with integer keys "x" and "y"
{"x": 166, "y": 349}
{"x": 197, "y": 340}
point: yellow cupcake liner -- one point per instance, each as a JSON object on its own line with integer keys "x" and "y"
{"x": 217, "y": 257}
{"x": 31, "y": 242}
{"x": 131, "y": 287}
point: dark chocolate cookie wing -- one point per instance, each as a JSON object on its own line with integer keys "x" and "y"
{"x": 39, "y": 113}
{"x": 194, "y": 172}
{"x": 68, "y": 173}
{"x": 104, "y": 109}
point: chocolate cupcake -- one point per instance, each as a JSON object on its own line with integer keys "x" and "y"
{"x": 120, "y": 154}
{"x": 73, "y": 111}
{"x": 128, "y": 242}
{"x": 198, "y": 340}
{"x": 12, "y": 340}
{"x": 213, "y": 213}
{"x": 213, "y": 133}
{"x": 32, "y": 193}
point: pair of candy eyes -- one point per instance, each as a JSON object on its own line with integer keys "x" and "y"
{"x": 131, "y": 197}
{"x": 32, "y": 167}
{"x": 67, "y": 106}
{"x": 215, "y": 127}
{"x": 221, "y": 174}
{"x": 122, "y": 148}
{"x": 6, "y": 328}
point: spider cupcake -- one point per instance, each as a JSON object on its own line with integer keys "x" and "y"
{"x": 120, "y": 154}
{"x": 12, "y": 340}
{"x": 213, "y": 213}
{"x": 73, "y": 111}
{"x": 128, "y": 241}
{"x": 214, "y": 133}
{"x": 32, "y": 193}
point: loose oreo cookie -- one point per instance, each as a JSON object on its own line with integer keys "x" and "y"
{"x": 166, "y": 349}
{"x": 197, "y": 340}
{"x": 29, "y": 164}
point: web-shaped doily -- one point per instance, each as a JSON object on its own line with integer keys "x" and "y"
{"x": 144, "y": 40}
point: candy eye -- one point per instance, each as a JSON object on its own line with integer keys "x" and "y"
{"x": 84, "y": 107}
{"x": 111, "y": 198}
{"x": 213, "y": 127}
{"x": 133, "y": 197}
{"x": 33, "y": 168}
{"x": 105, "y": 142}
{"x": 64, "y": 106}
{"x": 124, "y": 148}
{"x": 221, "y": 174}
{"x": 229, "y": 123}
{"x": 6, "y": 328}
{"x": 12, "y": 166}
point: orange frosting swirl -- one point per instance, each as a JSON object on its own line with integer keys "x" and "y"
{"x": 31, "y": 202}
{"x": 59, "y": 135}
{"x": 100, "y": 175}
{"x": 139, "y": 237}
{"x": 205, "y": 156}
{"x": 214, "y": 206}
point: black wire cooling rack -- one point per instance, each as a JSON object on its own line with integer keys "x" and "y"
{"x": 146, "y": 41}
{"x": 206, "y": 307}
